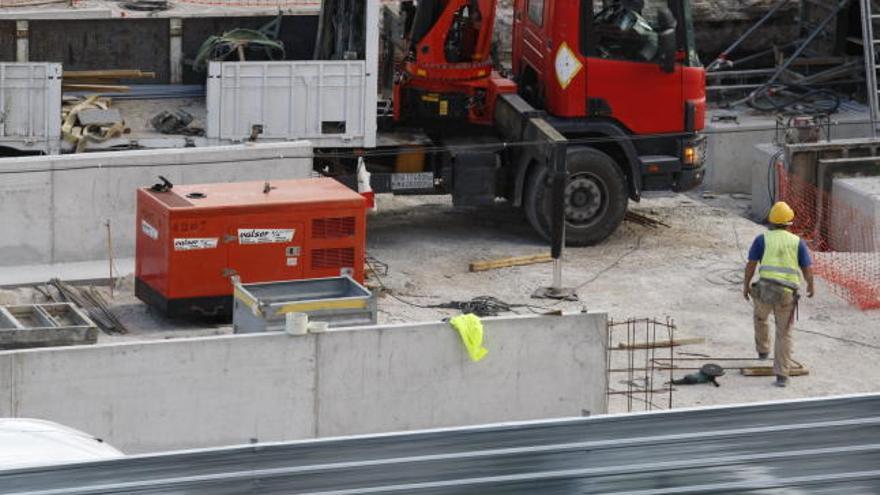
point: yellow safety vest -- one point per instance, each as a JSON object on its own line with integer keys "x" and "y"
{"x": 780, "y": 261}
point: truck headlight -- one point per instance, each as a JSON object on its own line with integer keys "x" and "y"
{"x": 690, "y": 156}
{"x": 693, "y": 152}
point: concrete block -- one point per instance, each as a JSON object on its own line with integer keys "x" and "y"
{"x": 214, "y": 391}
{"x": 168, "y": 395}
{"x": 729, "y": 156}
{"x": 855, "y": 215}
{"x": 60, "y": 216}
{"x": 418, "y": 376}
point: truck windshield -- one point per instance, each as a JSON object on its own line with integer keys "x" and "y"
{"x": 629, "y": 29}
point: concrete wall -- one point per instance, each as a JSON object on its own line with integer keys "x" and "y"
{"x": 7, "y": 41}
{"x": 104, "y": 44}
{"x": 855, "y": 215}
{"x": 60, "y": 215}
{"x": 190, "y": 393}
{"x": 91, "y": 44}
{"x": 730, "y": 155}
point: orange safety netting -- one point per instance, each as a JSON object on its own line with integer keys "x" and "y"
{"x": 843, "y": 238}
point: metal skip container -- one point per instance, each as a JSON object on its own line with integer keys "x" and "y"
{"x": 339, "y": 301}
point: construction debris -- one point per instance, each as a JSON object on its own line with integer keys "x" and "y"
{"x": 74, "y": 131}
{"x": 643, "y": 220}
{"x": 177, "y": 122}
{"x": 481, "y": 306}
{"x": 823, "y": 66}
{"x": 242, "y": 44}
{"x": 92, "y": 301}
{"x": 481, "y": 266}
{"x": 44, "y": 325}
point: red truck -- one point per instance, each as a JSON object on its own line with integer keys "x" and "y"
{"x": 619, "y": 87}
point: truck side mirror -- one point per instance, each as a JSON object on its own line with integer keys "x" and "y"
{"x": 666, "y": 40}
{"x": 666, "y": 50}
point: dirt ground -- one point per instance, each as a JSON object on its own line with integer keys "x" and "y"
{"x": 689, "y": 272}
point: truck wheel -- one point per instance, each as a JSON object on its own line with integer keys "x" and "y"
{"x": 595, "y": 199}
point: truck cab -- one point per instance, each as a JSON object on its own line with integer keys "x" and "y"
{"x": 623, "y": 83}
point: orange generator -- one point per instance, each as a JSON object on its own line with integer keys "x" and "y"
{"x": 191, "y": 239}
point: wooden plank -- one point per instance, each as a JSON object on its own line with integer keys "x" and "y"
{"x": 108, "y": 74}
{"x": 660, "y": 344}
{"x": 102, "y": 88}
{"x": 768, "y": 371}
{"x": 481, "y": 266}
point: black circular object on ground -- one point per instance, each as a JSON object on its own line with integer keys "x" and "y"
{"x": 712, "y": 369}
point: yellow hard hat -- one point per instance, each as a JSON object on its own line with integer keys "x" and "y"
{"x": 781, "y": 214}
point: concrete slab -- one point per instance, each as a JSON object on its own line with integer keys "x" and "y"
{"x": 855, "y": 225}
{"x": 190, "y": 393}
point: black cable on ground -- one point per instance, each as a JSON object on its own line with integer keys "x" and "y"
{"x": 370, "y": 262}
{"x": 481, "y": 305}
{"x": 771, "y": 178}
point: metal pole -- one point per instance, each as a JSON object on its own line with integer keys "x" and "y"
{"x": 870, "y": 63}
{"x": 560, "y": 182}
{"x": 110, "y": 257}
{"x": 723, "y": 56}
{"x": 797, "y": 53}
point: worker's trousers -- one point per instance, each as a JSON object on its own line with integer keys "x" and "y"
{"x": 783, "y": 315}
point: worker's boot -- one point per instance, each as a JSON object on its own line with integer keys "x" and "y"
{"x": 781, "y": 381}
{"x": 763, "y": 355}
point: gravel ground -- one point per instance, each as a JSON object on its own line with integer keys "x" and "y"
{"x": 688, "y": 272}
{"x": 683, "y": 272}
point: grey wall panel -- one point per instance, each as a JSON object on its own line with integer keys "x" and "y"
{"x": 209, "y": 392}
{"x": 104, "y": 44}
{"x": 7, "y": 41}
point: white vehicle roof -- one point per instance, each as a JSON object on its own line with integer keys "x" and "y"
{"x": 34, "y": 442}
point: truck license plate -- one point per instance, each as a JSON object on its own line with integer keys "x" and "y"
{"x": 406, "y": 182}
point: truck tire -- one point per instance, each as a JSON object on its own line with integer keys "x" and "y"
{"x": 595, "y": 203}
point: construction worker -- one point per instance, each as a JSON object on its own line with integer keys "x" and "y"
{"x": 782, "y": 257}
